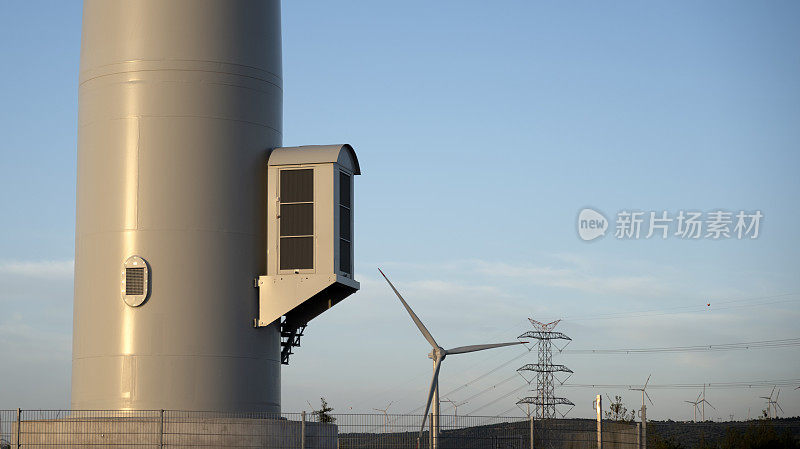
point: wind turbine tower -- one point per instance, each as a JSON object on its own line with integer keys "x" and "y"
{"x": 438, "y": 355}
{"x": 203, "y": 247}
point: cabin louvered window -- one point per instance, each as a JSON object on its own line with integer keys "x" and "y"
{"x": 345, "y": 223}
{"x": 296, "y": 219}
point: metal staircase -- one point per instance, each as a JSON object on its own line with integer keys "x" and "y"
{"x": 290, "y": 338}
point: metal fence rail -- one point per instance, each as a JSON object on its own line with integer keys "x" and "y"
{"x": 158, "y": 429}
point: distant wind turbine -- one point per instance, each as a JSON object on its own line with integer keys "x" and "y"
{"x": 438, "y": 354}
{"x": 644, "y": 392}
{"x": 455, "y": 407}
{"x": 695, "y": 403}
{"x": 643, "y": 411}
{"x": 772, "y": 404}
{"x": 704, "y": 402}
{"x": 385, "y": 415}
{"x": 769, "y": 402}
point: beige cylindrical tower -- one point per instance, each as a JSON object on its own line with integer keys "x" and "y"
{"x": 180, "y": 102}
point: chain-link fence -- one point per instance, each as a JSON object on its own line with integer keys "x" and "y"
{"x": 775, "y": 432}
{"x": 157, "y": 429}
{"x": 583, "y": 434}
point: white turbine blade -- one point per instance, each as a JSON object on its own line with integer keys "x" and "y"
{"x": 709, "y": 404}
{"x": 414, "y": 316}
{"x": 646, "y": 382}
{"x": 778, "y": 395}
{"x": 473, "y": 348}
{"x": 430, "y": 395}
{"x": 779, "y": 406}
{"x": 648, "y": 398}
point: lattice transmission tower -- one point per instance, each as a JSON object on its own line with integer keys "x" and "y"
{"x": 545, "y": 401}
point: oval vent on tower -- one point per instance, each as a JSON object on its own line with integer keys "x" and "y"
{"x": 135, "y": 281}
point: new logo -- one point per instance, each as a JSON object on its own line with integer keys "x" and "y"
{"x": 591, "y": 224}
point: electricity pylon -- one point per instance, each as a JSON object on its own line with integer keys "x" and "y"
{"x": 545, "y": 400}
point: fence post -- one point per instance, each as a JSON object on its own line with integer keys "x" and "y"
{"x": 19, "y": 425}
{"x": 161, "y": 430}
{"x": 430, "y": 431}
{"x": 599, "y": 406}
{"x": 303, "y": 430}
{"x": 531, "y": 418}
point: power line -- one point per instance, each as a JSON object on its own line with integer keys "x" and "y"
{"x": 497, "y": 399}
{"x": 506, "y": 380}
{"x": 786, "y": 342}
{"x": 678, "y": 386}
{"x": 482, "y": 376}
{"x": 714, "y": 305}
{"x": 680, "y": 309}
{"x": 481, "y": 392}
{"x": 789, "y": 342}
{"x": 414, "y": 378}
{"x": 667, "y": 349}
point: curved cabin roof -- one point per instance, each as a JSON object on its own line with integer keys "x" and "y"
{"x": 342, "y": 154}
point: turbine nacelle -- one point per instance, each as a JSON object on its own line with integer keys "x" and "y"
{"x": 438, "y": 353}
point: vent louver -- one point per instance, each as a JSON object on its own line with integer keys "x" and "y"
{"x": 134, "y": 281}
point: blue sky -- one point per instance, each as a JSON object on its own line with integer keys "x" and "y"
{"x": 482, "y": 129}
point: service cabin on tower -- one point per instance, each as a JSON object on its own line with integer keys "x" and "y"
{"x": 309, "y": 236}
